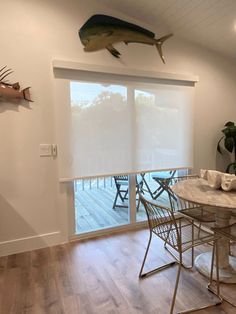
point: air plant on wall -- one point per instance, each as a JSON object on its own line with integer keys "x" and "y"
{"x": 229, "y": 139}
{"x": 12, "y": 92}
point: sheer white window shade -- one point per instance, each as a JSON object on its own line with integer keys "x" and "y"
{"x": 108, "y": 126}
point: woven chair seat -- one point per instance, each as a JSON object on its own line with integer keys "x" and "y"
{"x": 199, "y": 213}
{"x": 191, "y": 235}
{"x": 194, "y": 211}
{"x": 228, "y": 232}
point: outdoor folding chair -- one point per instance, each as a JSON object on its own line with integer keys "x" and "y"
{"x": 180, "y": 234}
{"x": 122, "y": 188}
{"x": 163, "y": 179}
{"x": 145, "y": 186}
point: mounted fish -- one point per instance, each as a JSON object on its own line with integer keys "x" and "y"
{"x": 9, "y": 91}
{"x": 102, "y": 31}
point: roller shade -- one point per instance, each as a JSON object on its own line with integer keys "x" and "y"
{"x": 110, "y": 125}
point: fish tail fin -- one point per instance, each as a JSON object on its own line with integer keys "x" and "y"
{"x": 26, "y": 94}
{"x": 159, "y": 43}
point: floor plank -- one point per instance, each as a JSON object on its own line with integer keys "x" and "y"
{"x": 100, "y": 276}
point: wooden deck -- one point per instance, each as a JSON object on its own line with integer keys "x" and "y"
{"x": 93, "y": 206}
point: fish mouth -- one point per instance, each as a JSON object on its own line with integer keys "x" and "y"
{"x": 90, "y": 48}
{"x": 85, "y": 42}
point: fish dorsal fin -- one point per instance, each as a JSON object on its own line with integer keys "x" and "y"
{"x": 4, "y": 74}
{"x": 106, "y": 20}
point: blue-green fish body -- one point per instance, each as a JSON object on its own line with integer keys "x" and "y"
{"x": 102, "y": 31}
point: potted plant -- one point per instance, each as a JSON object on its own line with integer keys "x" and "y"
{"x": 229, "y": 140}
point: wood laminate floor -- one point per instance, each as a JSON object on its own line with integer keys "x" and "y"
{"x": 99, "y": 276}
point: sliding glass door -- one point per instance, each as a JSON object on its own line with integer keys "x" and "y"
{"x": 114, "y": 132}
{"x": 102, "y": 203}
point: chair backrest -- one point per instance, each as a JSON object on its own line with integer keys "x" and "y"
{"x": 124, "y": 179}
{"x": 176, "y": 203}
{"x": 121, "y": 178}
{"x": 161, "y": 221}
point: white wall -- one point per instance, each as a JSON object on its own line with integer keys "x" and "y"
{"x": 33, "y": 211}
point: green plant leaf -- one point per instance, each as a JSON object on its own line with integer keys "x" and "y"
{"x": 227, "y": 132}
{"x": 229, "y": 144}
{"x": 218, "y": 145}
{"x": 231, "y": 165}
{"x": 233, "y": 131}
{"x": 229, "y": 123}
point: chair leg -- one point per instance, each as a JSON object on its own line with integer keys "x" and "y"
{"x": 217, "y": 269}
{"x": 176, "y": 287}
{"x": 138, "y": 204}
{"x": 199, "y": 229}
{"x": 141, "y": 274}
{"x": 115, "y": 200}
{"x": 218, "y": 296}
{"x": 122, "y": 194}
{"x": 158, "y": 194}
{"x": 217, "y": 293}
{"x": 145, "y": 256}
{"x": 212, "y": 264}
{"x": 175, "y": 293}
{"x": 125, "y": 195}
{"x": 175, "y": 256}
{"x": 147, "y": 186}
{"x": 178, "y": 261}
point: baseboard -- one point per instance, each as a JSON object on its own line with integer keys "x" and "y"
{"x": 30, "y": 243}
{"x": 109, "y": 231}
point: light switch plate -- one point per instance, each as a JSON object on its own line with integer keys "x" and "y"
{"x": 45, "y": 150}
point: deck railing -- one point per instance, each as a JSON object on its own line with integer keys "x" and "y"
{"x": 101, "y": 182}
{"x": 88, "y": 184}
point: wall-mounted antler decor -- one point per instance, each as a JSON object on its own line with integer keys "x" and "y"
{"x": 12, "y": 92}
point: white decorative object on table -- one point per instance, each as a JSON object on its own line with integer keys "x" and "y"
{"x": 217, "y": 179}
{"x": 214, "y": 179}
{"x": 228, "y": 182}
{"x": 203, "y": 174}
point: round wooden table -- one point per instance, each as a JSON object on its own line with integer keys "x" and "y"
{"x": 198, "y": 191}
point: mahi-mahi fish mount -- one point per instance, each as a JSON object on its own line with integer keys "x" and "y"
{"x": 102, "y": 31}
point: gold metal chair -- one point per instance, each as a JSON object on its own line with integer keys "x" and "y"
{"x": 228, "y": 232}
{"x": 179, "y": 233}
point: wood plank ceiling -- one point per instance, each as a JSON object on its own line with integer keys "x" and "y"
{"x": 211, "y": 23}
